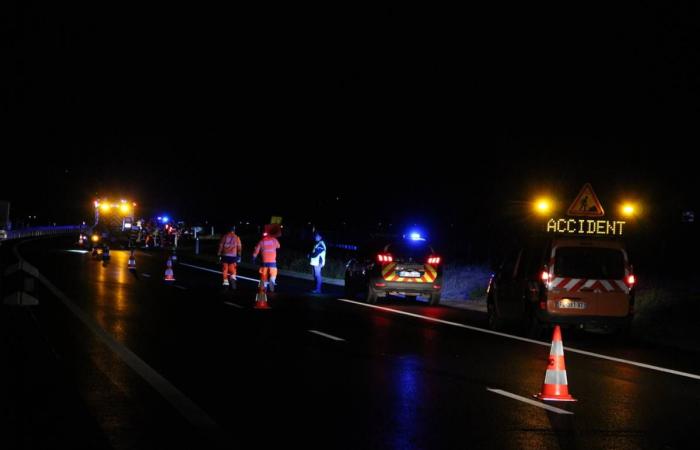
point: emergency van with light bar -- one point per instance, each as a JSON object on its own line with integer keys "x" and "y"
{"x": 406, "y": 266}
{"x": 576, "y": 272}
{"x": 114, "y": 221}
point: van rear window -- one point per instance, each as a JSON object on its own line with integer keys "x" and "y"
{"x": 591, "y": 263}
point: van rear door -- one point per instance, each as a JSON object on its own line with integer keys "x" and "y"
{"x": 588, "y": 281}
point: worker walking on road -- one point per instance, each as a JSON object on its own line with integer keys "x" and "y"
{"x": 230, "y": 254}
{"x": 317, "y": 259}
{"x": 268, "y": 246}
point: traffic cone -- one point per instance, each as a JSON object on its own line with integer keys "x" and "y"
{"x": 169, "y": 274}
{"x": 555, "y": 386}
{"x": 132, "y": 261}
{"x": 174, "y": 257}
{"x": 261, "y": 297}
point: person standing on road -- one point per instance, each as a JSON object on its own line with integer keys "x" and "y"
{"x": 268, "y": 246}
{"x": 317, "y": 259}
{"x": 230, "y": 255}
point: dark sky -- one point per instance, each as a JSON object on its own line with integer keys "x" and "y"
{"x": 400, "y": 110}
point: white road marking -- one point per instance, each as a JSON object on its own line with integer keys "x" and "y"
{"x": 82, "y": 252}
{"x": 531, "y": 341}
{"x": 233, "y": 304}
{"x": 146, "y": 275}
{"x": 335, "y": 338}
{"x": 529, "y": 401}
{"x": 193, "y": 413}
{"x": 218, "y": 271}
{"x": 180, "y": 287}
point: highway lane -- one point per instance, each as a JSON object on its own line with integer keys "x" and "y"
{"x": 392, "y": 382}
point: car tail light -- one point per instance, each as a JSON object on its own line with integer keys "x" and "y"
{"x": 434, "y": 260}
{"x": 384, "y": 258}
{"x": 631, "y": 280}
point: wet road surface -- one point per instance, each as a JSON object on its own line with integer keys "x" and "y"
{"x": 191, "y": 365}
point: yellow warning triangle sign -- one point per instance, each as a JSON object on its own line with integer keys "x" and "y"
{"x": 586, "y": 203}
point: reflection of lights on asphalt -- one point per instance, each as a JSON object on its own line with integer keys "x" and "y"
{"x": 82, "y": 252}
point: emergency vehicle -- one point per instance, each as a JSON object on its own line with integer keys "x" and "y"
{"x": 576, "y": 272}
{"x": 114, "y": 222}
{"x": 408, "y": 266}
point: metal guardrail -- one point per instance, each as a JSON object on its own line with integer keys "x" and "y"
{"x": 44, "y": 231}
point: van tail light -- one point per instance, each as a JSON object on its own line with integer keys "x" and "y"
{"x": 434, "y": 260}
{"x": 384, "y": 258}
{"x": 631, "y": 280}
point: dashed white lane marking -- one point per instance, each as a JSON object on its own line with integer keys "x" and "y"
{"x": 235, "y": 305}
{"x": 531, "y": 341}
{"x": 218, "y": 271}
{"x": 529, "y": 401}
{"x": 146, "y": 275}
{"x": 180, "y": 287}
{"x": 193, "y": 413}
{"x": 329, "y": 336}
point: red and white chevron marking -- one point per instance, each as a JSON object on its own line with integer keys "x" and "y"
{"x": 583, "y": 284}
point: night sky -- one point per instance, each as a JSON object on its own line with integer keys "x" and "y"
{"x": 356, "y": 112}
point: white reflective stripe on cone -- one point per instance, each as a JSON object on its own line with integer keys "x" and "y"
{"x": 555, "y": 377}
{"x": 557, "y": 348}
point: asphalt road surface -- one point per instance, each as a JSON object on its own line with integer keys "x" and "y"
{"x": 118, "y": 359}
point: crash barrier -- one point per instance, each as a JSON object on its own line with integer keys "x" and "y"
{"x": 44, "y": 231}
{"x": 18, "y": 285}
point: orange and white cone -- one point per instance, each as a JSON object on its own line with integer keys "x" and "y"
{"x": 556, "y": 386}
{"x": 132, "y": 261}
{"x": 261, "y": 297}
{"x": 169, "y": 274}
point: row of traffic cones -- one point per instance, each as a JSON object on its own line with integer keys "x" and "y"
{"x": 260, "y": 296}
{"x": 554, "y": 388}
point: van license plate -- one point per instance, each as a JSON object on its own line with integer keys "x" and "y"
{"x": 409, "y": 274}
{"x": 570, "y": 304}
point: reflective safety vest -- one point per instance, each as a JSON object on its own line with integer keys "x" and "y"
{"x": 230, "y": 245}
{"x": 268, "y": 247}
{"x": 318, "y": 256}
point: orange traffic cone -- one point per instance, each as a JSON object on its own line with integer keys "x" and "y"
{"x": 261, "y": 297}
{"x": 169, "y": 274}
{"x": 555, "y": 386}
{"x": 132, "y": 261}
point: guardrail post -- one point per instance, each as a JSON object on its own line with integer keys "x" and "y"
{"x": 20, "y": 278}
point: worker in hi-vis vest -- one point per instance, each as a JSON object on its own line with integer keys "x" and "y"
{"x": 317, "y": 259}
{"x": 230, "y": 253}
{"x": 267, "y": 246}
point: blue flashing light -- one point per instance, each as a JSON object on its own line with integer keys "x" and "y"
{"x": 165, "y": 219}
{"x": 414, "y": 236}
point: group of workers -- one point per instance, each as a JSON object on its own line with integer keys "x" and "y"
{"x": 230, "y": 252}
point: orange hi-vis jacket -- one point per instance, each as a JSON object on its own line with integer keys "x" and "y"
{"x": 230, "y": 245}
{"x": 268, "y": 246}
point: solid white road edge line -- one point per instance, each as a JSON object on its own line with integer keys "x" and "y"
{"x": 217, "y": 271}
{"x": 529, "y": 401}
{"x": 335, "y": 338}
{"x": 532, "y": 341}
